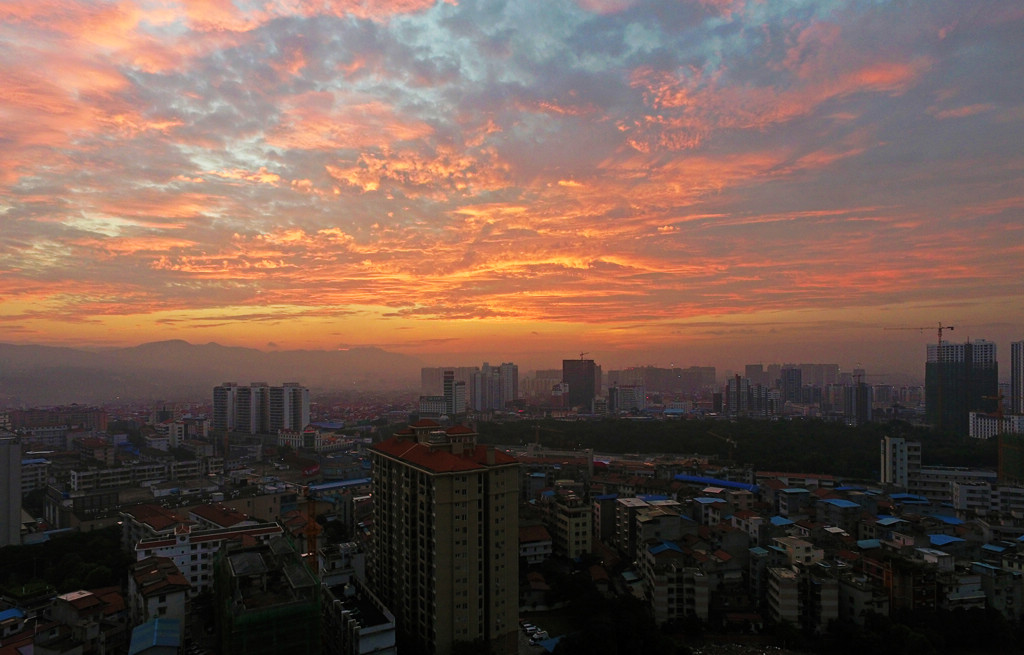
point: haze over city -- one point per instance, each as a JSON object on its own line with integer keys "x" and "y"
{"x": 683, "y": 183}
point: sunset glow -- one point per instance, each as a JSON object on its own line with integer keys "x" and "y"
{"x": 694, "y": 182}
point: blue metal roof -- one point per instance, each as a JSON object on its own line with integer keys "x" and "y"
{"x": 949, "y": 520}
{"x": 908, "y": 498}
{"x": 993, "y": 548}
{"x": 890, "y": 520}
{"x": 943, "y": 539}
{"x": 728, "y": 484}
{"x": 663, "y": 546}
{"x": 795, "y": 490}
{"x": 780, "y": 521}
{"x": 708, "y": 501}
{"x": 606, "y": 497}
{"x": 13, "y": 613}
{"x": 339, "y": 484}
{"x": 839, "y": 502}
{"x": 549, "y": 644}
{"x": 155, "y": 633}
{"x": 868, "y": 544}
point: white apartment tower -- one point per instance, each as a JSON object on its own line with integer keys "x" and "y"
{"x": 260, "y": 408}
{"x": 901, "y": 459}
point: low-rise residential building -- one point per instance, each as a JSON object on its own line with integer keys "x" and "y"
{"x": 337, "y": 564}
{"x": 859, "y": 598}
{"x": 88, "y": 622}
{"x": 569, "y": 521}
{"x": 982, "y": 498}
{"x": 157, "y": 589}
{"x": 988, "y": 426}
{"x": 192, "y": 551}
{"x": 355, "y": 622}
{"x": 267, "y": 600}
{"x": 799, "y": 551}
{"x": 804, "y": 596}
{"x": 34, "y": 474}
{"x": 535, "y": 544}
{"x": 673, "y": 589}
{"x": 1004, "y": 589}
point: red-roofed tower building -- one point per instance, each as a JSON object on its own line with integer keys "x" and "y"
{"x": 445, "y": 547}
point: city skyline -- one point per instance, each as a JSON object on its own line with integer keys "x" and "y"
{"x": 701, "y": 183}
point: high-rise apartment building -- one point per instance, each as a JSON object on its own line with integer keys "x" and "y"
{"x": 792, "y": 383}
{"x": 627, "y": 398}
{"x": 960, "y": 378}
{"x": 289, "y": 407}
{"x": 444, "y": 554}
{"x": 484, "y": 392}
{"x": 508, "y": 383}
{"x": 10, "y": 490}
{"x": 454, "y": 392}
{"x": 737, "y": 396}
{"x": 260, "y": 408}
{"x": 1016, "y": 403}
{"x": 224, "y": 407}
{"x": 432, "y": 378}
{"x": 858, "y": 402}
{"x": 581, "y": 376}
{"x": 756, "y": 374}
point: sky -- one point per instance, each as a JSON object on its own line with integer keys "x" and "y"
{"x": 702, "y": 182}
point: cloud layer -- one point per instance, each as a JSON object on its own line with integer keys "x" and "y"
{"x": 652, "y": 177}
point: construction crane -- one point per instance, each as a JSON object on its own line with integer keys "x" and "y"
{"x": 312, "y": 529}
{"x": 938, "y": 360}
{"x": 727, "y": 439}
{"x": 941, "y": 327}
{"x": 582, "y": 354}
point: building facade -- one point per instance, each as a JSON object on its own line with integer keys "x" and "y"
{"x": 444, "y": 555}
{"x": 581, "y": 376}
{"x": 960, "y": 378}
{"x": 900, "y": 460}
{"x": 1016, "y": 403}
{"x": 260, "y": 408}
{"x": 10, "y": 484}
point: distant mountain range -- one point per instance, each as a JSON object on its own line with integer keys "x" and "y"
{"x": 178, "y": 370}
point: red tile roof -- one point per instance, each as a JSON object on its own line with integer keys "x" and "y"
{"x": 157, "y": 575}
{"x": 440, "y": 460}
{"x": 532, "y": 533}
{"x": 225, "y": 517}
{"x": 154, "y": 516}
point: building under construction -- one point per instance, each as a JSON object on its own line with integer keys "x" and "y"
{"x": 268, "y": 601}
